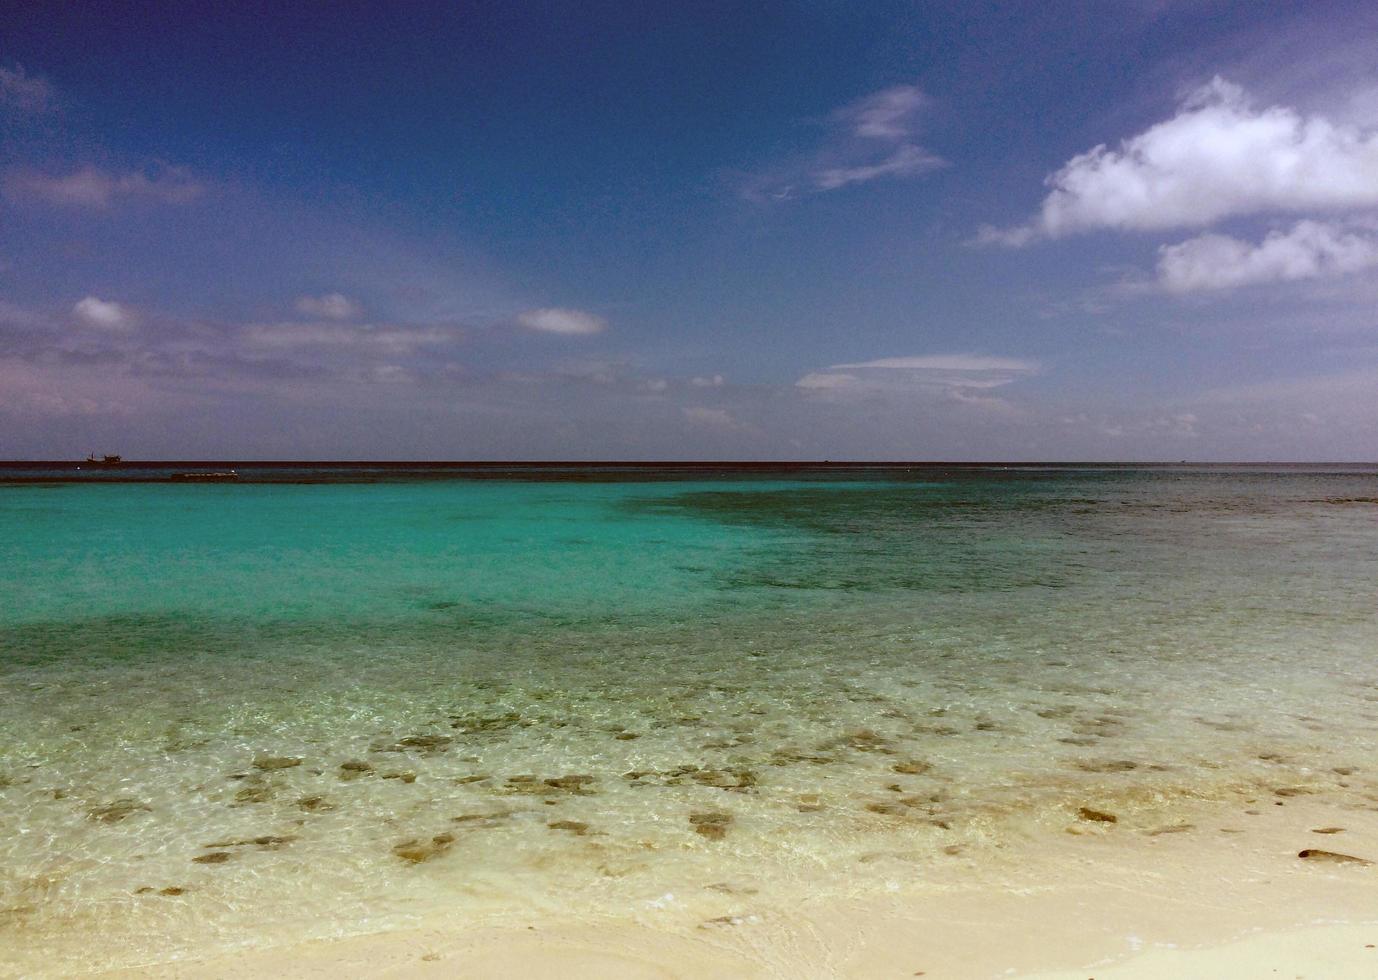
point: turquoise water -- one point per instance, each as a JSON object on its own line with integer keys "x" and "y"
{"x": 381, "y": 696}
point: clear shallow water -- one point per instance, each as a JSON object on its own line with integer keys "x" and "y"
{"x": 601, "y": 689}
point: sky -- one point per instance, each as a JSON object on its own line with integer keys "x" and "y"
{"x": 1128, "y": 230}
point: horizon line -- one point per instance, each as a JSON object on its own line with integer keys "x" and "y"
{"x": 66, "y": 462}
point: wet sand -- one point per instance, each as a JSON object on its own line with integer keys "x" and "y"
{"x": 1231, "y": 899}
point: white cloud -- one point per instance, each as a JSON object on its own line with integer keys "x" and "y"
{"x": 828, "y": 379}
{"x": 907, "y": 161}
{"x": 866, "y": 140}
{"x": 1309, "y": 250}
{"x": 714, "y": 381}
{"x": 562, "y": 321}
{"x": 25, "y": 95}
{"x": 90, "y": 187}
{"x": 952, "y": 373}
{"x": 718, "y": 418}
{"x": 103, "y": 314}
{"x": 332, "y": 306}
{"x": 1218, "y": 157}
{"x": 887, "y": 115}
{"x": 599, "y": 371}
{"x": 949, "y": 362}
{"x": 380, "y": 339}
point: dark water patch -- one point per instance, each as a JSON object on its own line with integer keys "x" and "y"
{"x": 913, "y": 537}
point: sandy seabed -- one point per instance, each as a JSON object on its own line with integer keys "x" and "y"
{"x": 1229, "y": 900}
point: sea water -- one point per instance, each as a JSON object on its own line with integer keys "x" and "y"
{"x": 326, "y": 701}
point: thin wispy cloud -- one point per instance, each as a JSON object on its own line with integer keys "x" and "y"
{"x": 25, "y": 95}
{"x": 570, "y": 323}
{"x": 389, "y": 339}
{"x": 719, "y": 418}
{"x": 871, "y": 138}
{"x": 331, "y": 306}
{"x": 91, "y": 187}
{"x": 934, "y": 371}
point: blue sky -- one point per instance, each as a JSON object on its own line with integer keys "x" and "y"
{"x": 1114, "y": 230}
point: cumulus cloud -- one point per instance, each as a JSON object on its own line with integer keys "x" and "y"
{"x": 22, "y": 94}
{"x": 91, "y": 187}
{"x": 949, "y": 372}
{"x": 103, "y": 314}
{"x": 1308, "y": 250}
{"x": 1218, "y": 157}
{"x": 332, "y": 306}
{"x": 562, "y": 321}
{"x": 871, "y": 138}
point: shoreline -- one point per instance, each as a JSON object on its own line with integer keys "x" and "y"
{"x": 1336, "y": 951}
{"x": 1207, "y": 904}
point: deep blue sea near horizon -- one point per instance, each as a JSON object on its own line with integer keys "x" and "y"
{"x": 330, "y": 699}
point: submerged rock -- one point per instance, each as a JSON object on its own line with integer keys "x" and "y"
{"x": 421, "y": 743}
{"x": 479, "y": 725}
{"x": 722, "y": 921}
{"x": 711, "y": 825}
{"x": 911, "y": 767}
{"x": 116, "y": 811}
{"x": 417, "y": 851}
{"x": 255, "y": 793}
{"x": 733, "y": 780}
{"x": 531, "y": 785}
{"x": 481, "y": 819}
{"x": 405, "y": 775}
{"x": 267, "y": 841}
{"x": 315, "y": 804}
{"x": 576, "y": 827}
{"x": 1107, "y": 765}
{"x": 572, "y": 784}
{"x": 789, "y": 756}
{"x": 1334, "y": 857}
{"x": 865, "y": 740}
{"x": 888, "y": 809}
{"x": 730, "y": 888}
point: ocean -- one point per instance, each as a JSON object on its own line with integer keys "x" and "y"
{"x": 327, "y": 700}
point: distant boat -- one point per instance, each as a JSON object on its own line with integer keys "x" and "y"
{"x": 106, "y": 460}
{"x": 205, "y": 476}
